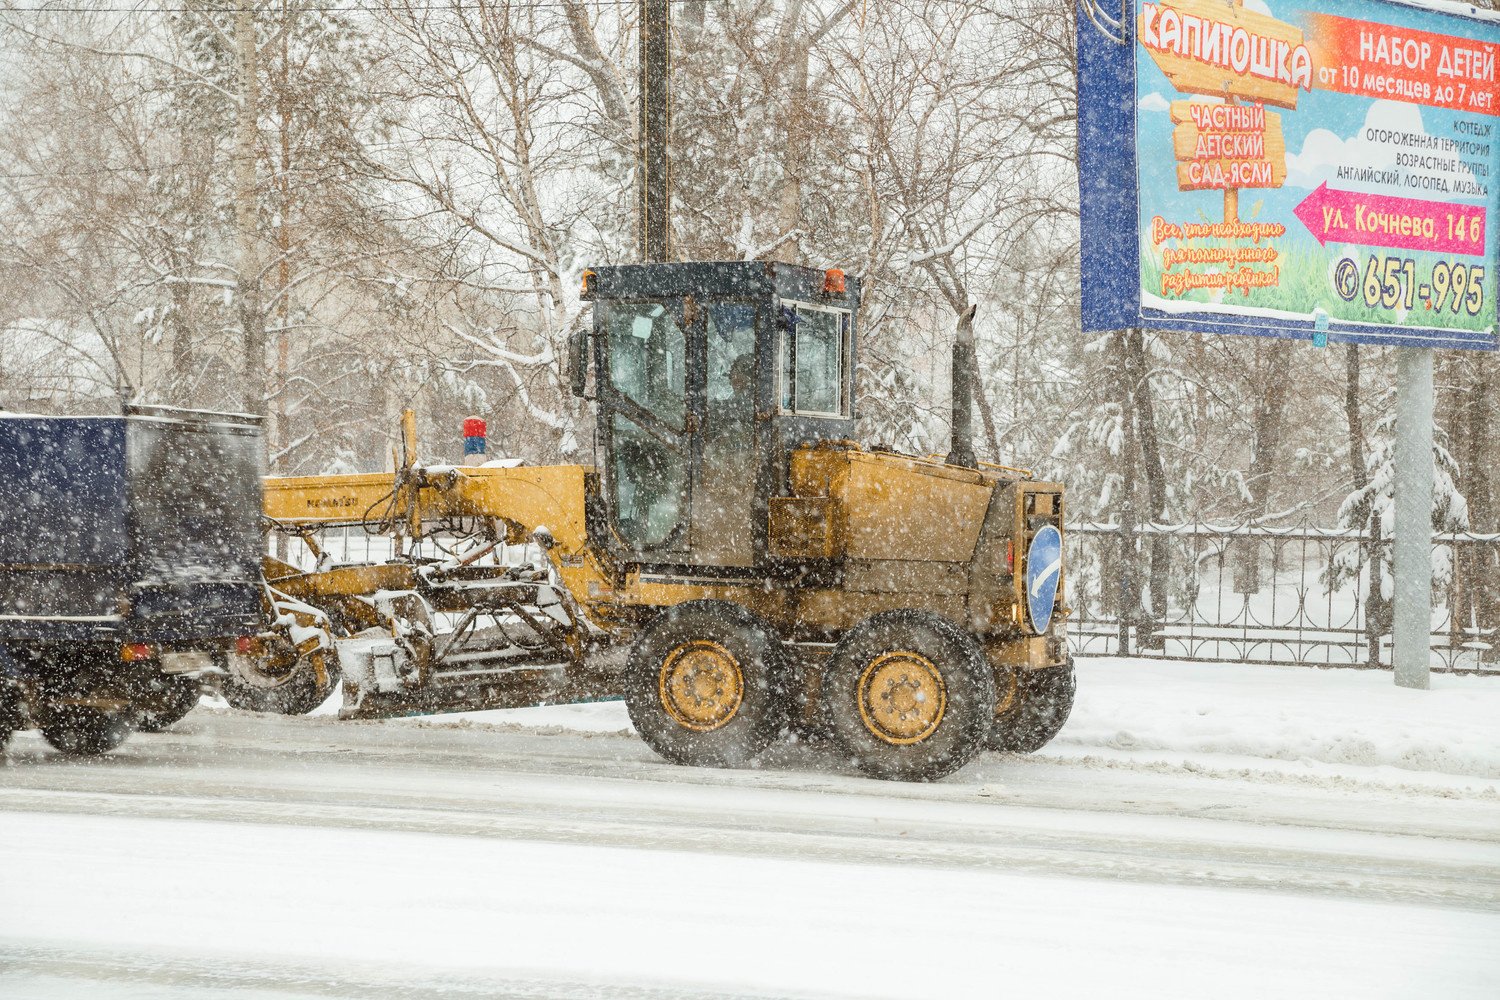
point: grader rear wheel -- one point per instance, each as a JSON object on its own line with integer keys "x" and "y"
{"x": 909, "y": 694}
{"x": 1039, "y": 704}
{"x": 703, "y": 685}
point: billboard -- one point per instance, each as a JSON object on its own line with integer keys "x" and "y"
{"x": 1322, "y": 169}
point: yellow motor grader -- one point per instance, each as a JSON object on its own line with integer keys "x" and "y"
{"x": 761, "y": 571}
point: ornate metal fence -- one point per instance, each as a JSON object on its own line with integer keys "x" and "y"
{"x": 1271, "y": 595}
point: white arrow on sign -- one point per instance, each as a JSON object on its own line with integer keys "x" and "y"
{"x": 1051, "y": 571}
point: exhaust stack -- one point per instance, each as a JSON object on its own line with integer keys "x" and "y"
{"x": 965, "y": 376}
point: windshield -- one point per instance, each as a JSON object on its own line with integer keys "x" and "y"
{"x": 646, "y": 349}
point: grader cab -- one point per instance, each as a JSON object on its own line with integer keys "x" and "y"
{"x": 765, "y": 573}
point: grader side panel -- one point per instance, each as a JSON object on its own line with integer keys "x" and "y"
{"x": 914, "y": 533}
{"x": 875, "y": 506}
{"x": 908, "y": 509}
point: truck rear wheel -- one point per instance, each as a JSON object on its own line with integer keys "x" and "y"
{"x": 704, "y": 685}
{"x": 10, "y": 711}
{"x": 169, "y": 700}
{"x": 910, "y": 695}
{"x": 83, "y": 730}
{"x": 1039, "y": 705}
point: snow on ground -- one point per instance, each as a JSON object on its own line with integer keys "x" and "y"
{"x": 1196, "y": 830}
{"x": 324, "y": 907}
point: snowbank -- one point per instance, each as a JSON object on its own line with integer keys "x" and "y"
{"x": 1348, "y": 717}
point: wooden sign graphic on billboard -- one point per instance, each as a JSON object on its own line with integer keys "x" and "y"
{"x": 1216, "y": 48}
{"x": 1211, "y": 48}
{"x": 1227, "y": 146}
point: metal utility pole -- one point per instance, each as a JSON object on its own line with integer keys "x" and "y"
{"x": 652, "y": 164}
{"x": 252, "y": 322}
{"x": 1411, "y": 645}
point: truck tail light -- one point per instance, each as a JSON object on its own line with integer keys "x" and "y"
{"x": 135, "y": 652}
{"x": 244, "y": 645}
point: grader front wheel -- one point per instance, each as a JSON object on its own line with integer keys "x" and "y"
{"x": 280, "y": 678}
{"x": 909, "y": 695}
{"x": 703, "y": 685}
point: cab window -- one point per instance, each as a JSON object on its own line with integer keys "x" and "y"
{"x": 814, "y": 354}
{"x": 649, "y": 468}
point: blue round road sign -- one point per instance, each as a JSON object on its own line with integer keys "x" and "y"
{"x": 1043, "y": 570}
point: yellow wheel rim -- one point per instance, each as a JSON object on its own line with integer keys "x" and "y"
{"x": 701, "y": 685}
{"x": 902, "y": 697}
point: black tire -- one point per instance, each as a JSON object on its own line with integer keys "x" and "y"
{"x": 705, "y": 685}
{"x": 1042, "y": 702}
{"x": 883, "y": 681}
{"x": 10, "y": 711}
{"x": 298, "y": 694}
{"x": 171, "y": 699}
{"x": 83, "y": 730}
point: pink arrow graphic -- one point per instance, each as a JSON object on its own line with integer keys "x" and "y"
{"x": 1377, "y": 220}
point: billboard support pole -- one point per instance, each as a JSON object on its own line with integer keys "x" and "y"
{"x": 1129, "y": 588}
{"x": 1411, "y": 645}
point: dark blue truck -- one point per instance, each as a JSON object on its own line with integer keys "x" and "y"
{"x": 129, "y": 567}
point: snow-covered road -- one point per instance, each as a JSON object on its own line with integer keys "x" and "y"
{"x": 1197, "y": 830}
